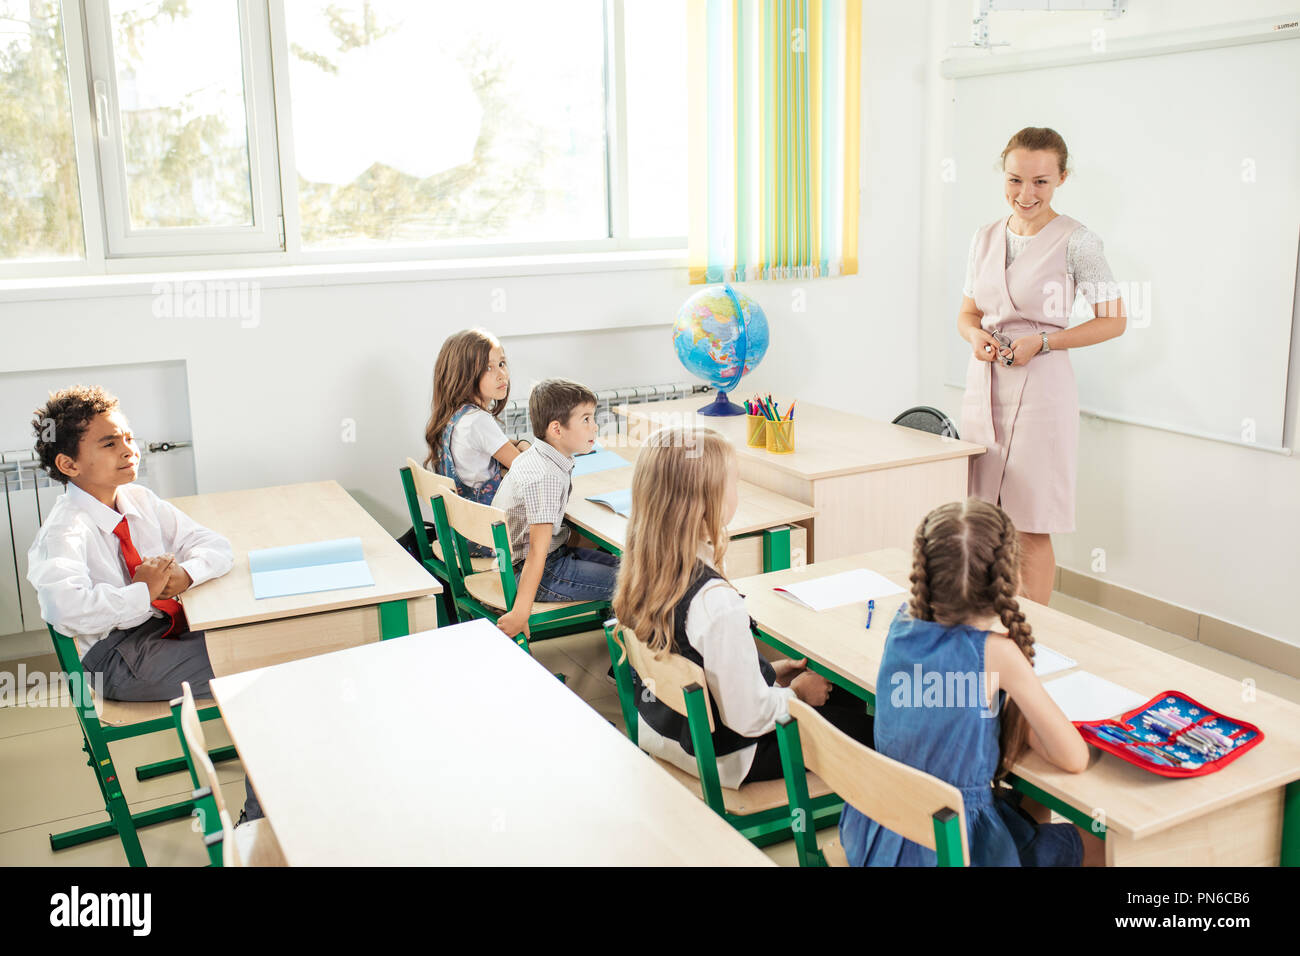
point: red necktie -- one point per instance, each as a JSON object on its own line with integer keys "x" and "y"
{"x": 171, "y": 607}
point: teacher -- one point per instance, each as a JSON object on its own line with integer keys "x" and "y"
{"x": 1021, "y": 279}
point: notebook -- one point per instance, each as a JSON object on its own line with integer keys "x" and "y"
{"x": 308, "y": 568}
{"x": 836, "y": 590}
{"x": 1048, "y": 661}
{"x": 1085, "y": 696}
{"x": 598, "y": 459}
{"x": 620, "y": 502}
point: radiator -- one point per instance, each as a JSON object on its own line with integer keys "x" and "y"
{"x": 518, "y": 426}
{"x": 29, "y": 494}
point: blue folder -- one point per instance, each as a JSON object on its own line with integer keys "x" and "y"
{"x": 620, "y": 502}
{"x": 598, "y": 459}
{"x": 308, "y": 568}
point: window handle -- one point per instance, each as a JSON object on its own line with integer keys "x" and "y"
{"x": 101, "y": 108}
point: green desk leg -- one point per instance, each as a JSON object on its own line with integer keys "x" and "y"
{"x": 776, "y": 549}
{"x": 1291, "y": 825}
{"x": 393, "y": 621}
{"x": 1073, "y": 814}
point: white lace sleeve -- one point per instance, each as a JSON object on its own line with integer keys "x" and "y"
{"x": 1086, "y": 261}
{"x": 968, "y": 288}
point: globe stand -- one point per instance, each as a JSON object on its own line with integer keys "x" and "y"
{"x": 720, "y": 406}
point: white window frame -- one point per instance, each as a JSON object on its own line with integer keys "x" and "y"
{"x": 111, "y": 251}
{"x": 123, "y": 240}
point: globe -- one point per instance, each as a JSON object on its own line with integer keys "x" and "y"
{"x": 720, "y": 336}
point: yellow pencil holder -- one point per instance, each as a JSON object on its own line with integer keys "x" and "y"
{"x": 756, "y": 432}
{"x": 780, "y": 437}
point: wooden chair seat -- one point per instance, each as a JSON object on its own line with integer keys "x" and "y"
{"x": 124, "y": 713}
{"x": 750, "y": 798}
{"x": 485, "y": 587}
{"x": 834, "y": 853}
{"x": 256, "y": 844}
{"x": 480, "y": 564}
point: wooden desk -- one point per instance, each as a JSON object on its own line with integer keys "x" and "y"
{"x": 870, "y": 482}
{"x": 759, "y": 539}
{"x": 243, "y": 632}
{"x": 396, "y": 758}
{"x": 1233, "y": 817}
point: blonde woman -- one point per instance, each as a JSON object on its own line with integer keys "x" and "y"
{"x": 674, "y": 595}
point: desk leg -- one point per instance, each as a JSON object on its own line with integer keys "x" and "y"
{"x": 776, "y": 549}
{"x": 393, "y": 621}
{"x": 1291, "y": 825}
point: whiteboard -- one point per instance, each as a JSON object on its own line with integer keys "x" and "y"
{"x": 1187, "y": 165}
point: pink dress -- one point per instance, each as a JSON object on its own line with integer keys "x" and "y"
{"x": 1027, "y": 416}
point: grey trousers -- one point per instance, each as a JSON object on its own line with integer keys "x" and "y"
{"x": 141, "y": 664}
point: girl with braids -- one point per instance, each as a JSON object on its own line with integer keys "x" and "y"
{"x": 960, "y": 700}
{"x": 673, "y": 594}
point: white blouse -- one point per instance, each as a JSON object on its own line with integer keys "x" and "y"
{"x": 476, "y": 437}
{"x": 717, "y": 625}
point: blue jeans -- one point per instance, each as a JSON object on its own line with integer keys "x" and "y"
{"x": 577, "y": 574}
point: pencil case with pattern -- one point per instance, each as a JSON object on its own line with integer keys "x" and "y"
{"x": 1173, "y": 736}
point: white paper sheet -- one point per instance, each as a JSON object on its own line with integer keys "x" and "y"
{"x": 836, "y": 590}
{"x": 1085, "y": 696}
{"x": 1048, "y": 661}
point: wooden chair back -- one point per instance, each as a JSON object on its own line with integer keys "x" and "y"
{"x": 666, "y": 675}
{"x": 192, "y": 730}
{"x": 898, "y": 797}
{"x": 474, "y": 521}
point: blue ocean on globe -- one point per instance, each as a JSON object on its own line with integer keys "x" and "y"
{"x": 708, "y": 337}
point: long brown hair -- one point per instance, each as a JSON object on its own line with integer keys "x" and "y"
{"x": 966, "y": 565}
{"x": 462, "y": 361}
{"x": 678, "y": 491}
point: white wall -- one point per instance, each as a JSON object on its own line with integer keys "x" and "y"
{"x": 1206, "y": 525}
{"x": 268, "y": 402}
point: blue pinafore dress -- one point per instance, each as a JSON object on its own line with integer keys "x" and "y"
{"x": 484, "y": 493}
{"x": 955, "y": 738}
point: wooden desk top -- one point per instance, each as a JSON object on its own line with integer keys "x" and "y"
{"x": 828, "y": 442}
{"x": 758, "y": 510}
{"x": 1134, "y": 801}
{"x": 294, "y": 514}
{"x": 491, "y": 762}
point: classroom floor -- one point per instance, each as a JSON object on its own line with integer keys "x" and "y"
{"x": 45, "y": 786}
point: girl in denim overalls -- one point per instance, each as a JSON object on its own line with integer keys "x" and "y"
{"x": 471, "y": 385}
{"x": 965, "y": 574}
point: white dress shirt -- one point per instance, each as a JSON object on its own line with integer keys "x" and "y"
{"x": 474, "y": 440}
{"x": 77, "y": 568}
{"x": 717, "y": 625}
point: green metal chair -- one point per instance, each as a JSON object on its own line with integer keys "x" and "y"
{"x": 912, "y": 803}
{"x": 419, "y": 484}
{"x": 104, "y": 722}
{"x": 759, "y": 811}
{"x": 254, "y": 843}
{"x": 490, "y": 593}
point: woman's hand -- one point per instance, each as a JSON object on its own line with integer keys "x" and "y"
{"x": 812, "y": 689}
{"x": 787, "y": 670}
{"x": 984, "y": 345}
{"x": 1026, "y": 347}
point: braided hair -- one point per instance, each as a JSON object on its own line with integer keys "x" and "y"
{"x": 966, "y": 565}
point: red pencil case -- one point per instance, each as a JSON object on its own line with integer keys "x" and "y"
{"x": 1193, "y": 739}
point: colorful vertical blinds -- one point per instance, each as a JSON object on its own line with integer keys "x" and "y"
{"x": 774, "y": 121}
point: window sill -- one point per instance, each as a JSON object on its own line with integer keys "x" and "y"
{"x": 329, "y": 274}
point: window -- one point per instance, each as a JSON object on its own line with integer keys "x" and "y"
{"x": 138, "y": 135}
{"x": 40, "y": 195}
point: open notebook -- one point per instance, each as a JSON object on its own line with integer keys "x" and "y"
{"x": 836, "y": 590}
{"x": 307, "y": 568}
{"x": 598, "y": 459}
{"x": 620, "y": 502}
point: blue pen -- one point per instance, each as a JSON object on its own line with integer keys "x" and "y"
{"x": 871, "y": 606}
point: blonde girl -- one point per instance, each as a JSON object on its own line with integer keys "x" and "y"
{"x": 673, "y": 593}
{"x": 965, "y": 576}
